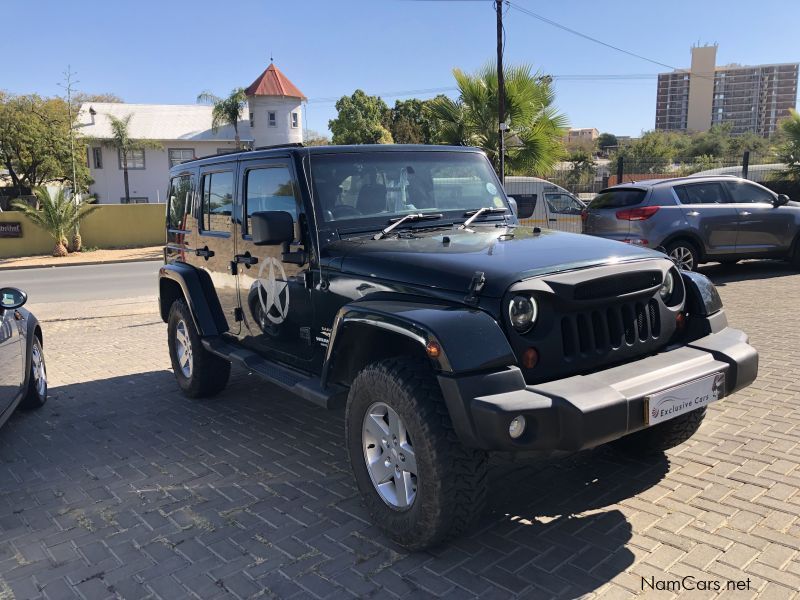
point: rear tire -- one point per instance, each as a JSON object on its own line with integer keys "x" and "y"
{"x": 444, "y": 491}
{"x": 36, "y": 394}
{"x": 199, "y": 372}
{"x": 663, "y": 436}
{"x": 684, "y": 254}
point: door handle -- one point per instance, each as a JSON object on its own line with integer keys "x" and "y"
{"x": 552, "y": 219}
{"x": 745, "y": 213}
{"x": 204, "y": 252}
{"x": 693, "y": 213}
{"x": 245, "y": 259}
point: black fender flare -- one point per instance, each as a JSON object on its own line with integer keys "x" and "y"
{"x": 198, "y": 291}
{"x": 468, "y": 339}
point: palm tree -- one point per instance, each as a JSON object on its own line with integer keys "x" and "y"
{"x": 535, "y": 128}
{"x": 123, "y": 142}
{"x": 227, "y": 111}
{"x": 789, "y": 150}
{"x": 57, "y": 216}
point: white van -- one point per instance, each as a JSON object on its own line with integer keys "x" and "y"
{"x": 553, "y": 206}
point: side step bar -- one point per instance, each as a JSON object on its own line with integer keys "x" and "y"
{"x": 300, "y": 384}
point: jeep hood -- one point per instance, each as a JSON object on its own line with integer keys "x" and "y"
{"x": 429, "y": 260}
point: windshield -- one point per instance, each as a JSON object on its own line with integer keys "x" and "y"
{"x": 353, "y": 186}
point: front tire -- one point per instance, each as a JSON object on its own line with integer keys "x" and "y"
{"x": 663, "y": 436}
{"x": 36, "y": 394}
{"x": 199, "y": 372}
{"x": 418, "y": 482}
{"x": 684, "y": 254}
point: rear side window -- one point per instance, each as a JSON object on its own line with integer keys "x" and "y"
{"x": 270, "y": 188}
{"x": 742, "y": 192}
{"x": 179, "y": 194}
{"x": 618, "y": 198}
{"x": 217, "y": 201}
{"x": 701, "y": 193}
{"x": 526, "y": 204}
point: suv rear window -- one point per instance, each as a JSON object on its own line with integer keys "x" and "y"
{"x": 618, "y": 198}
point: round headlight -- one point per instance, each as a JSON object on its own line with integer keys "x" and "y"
{"x": 667, "y": 286}
{"x": 522, "y": 312}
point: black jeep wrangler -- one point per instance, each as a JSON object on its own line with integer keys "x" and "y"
{"x": 396, "y": 281}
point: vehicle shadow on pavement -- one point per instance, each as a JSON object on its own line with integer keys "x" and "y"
{"x": 746, "y": 270}
{"x": 123, "y": 486}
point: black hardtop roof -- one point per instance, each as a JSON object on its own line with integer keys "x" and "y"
{"x": 298, "y": 149}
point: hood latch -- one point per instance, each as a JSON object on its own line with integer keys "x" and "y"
{"x": 475, "y": 287}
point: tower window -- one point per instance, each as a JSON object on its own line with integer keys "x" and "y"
{"x": 295, "y": 120}
{"x": 271, "y": 118}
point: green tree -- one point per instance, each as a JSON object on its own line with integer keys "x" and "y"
{"x": 57, "y": 216}
{"x": 124, "y": 144}
{"x": 788, "y": 151}
{"x": 34, "y": 142}
{"x": 535, "y": 128}
{"x": 314, "y": 138}
{"x": 582, "y": 167}
{"x": 227, "y": 111}
{"x": 410, "y": 122}
{"x": 606, "y": 141}
{"x": 360, "y": 120}
{"x": 651, "y": 153}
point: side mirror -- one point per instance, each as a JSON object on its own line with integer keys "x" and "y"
{"x": 781, "y": 200}
{"x": 513, "y": 204}
{"x": 272, "y": 227}
{"x": 11, "y": 298}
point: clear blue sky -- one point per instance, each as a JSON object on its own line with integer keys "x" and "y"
{"x": 168, "y": 51}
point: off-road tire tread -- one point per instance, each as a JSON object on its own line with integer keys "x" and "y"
{"x": 664, "y": 435}
{"x": 460, "y": 472}
{"x": 210, "y": 373}
{"x": 31, "y": 400}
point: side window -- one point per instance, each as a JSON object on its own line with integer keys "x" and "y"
{"x": 562, "y": 204}
{"x": 701, "y": 193}
{"x": 217, "y": 204}
{"x": 270, "y": 188}
{"x": 526, "y": 204}
{"x": 742, "y": 192}
{"x": 179, "y": 194}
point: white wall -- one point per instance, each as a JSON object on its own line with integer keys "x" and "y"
{"x": 282, "y": 132}
{"x": 152, "y": 182}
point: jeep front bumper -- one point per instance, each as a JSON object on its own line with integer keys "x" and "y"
{"x": 584, "y": 411}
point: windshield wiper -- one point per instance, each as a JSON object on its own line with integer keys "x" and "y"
{"x": 406, "y": 219}
{"x": 481, "y": 211}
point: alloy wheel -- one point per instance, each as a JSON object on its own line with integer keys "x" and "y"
{"x": 682, "y": 257}
{"x": 389, "y": 456}
{"x": 183, "y": 348}
{"x": 39, "y": 371}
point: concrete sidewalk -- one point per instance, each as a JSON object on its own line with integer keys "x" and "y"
{"x": 94, "y": 257}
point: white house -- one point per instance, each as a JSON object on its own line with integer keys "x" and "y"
{"x": 273, "y": 116}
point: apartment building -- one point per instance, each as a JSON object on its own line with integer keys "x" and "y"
{"x": 749, "y": 98}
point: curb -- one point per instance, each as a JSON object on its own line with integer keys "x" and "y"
{"x": 79, "y": 264}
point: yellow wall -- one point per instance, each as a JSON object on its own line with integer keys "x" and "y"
{"x": 110, "y": 226}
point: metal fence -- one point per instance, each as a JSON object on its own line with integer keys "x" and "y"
{"x": 553, "y": 196}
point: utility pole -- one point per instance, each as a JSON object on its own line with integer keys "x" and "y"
{"x": 501, "y": 92}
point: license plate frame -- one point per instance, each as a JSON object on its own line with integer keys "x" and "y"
{"x": 672, "y": 402}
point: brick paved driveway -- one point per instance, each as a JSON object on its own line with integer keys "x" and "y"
{"x": 120, "y": 487}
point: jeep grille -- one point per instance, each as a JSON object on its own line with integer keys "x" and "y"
{"x": 604, "y": 330}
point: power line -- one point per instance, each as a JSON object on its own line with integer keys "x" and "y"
{"x": 544, "y": 19}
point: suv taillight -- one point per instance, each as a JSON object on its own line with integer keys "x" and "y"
{"x": 637, "y": 214}
{"x": 584, "y": 214}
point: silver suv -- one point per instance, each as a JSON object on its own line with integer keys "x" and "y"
{"x": 699, "y": 219}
